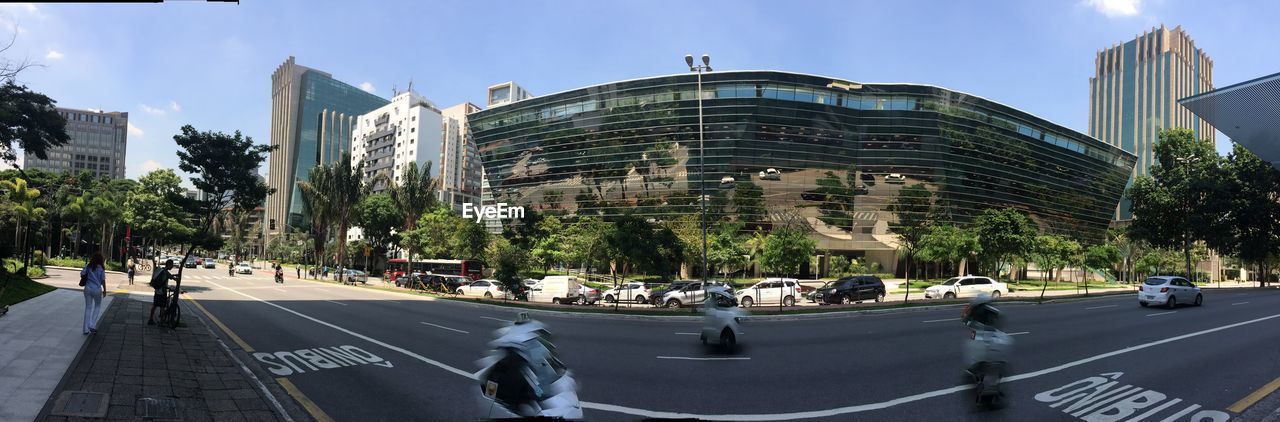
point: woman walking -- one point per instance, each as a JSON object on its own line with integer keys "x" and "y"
{"x": 94, "y": 279}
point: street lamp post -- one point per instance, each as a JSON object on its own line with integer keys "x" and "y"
{"x": 702, "y": 158}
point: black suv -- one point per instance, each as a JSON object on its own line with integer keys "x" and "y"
{"x": 851, "y": 290}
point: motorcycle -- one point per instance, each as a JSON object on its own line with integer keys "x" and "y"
{"x": 523, "y": 376}
{"x": 987, "y": 351}
{"x": 231, "y": 271}
{"x": 280, "y": 276}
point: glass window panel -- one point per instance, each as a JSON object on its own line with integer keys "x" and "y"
{"x": 804, "y": 95}
{"x": 726, "y": 91}
{"x": 746, "y": 91}
{"x": 786, "y": 93}
{"x": 771, "y": 91}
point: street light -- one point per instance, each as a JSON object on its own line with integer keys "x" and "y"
{"x": 702, "y": 158}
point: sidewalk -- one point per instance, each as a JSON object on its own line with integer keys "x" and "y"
{"x": 41, "y": 338}
{"x": 147, "y": 372}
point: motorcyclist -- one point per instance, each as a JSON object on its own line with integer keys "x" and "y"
{"x": 987, "y": 351}
{"x": 523, "y": 377}
{"x": 279, "y": 274}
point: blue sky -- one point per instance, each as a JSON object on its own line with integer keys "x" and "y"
{"x": 210, "y": 64}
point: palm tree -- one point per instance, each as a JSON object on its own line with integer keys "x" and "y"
{"x": 77, "y": 208}
{"x": 316, "y": 203}
{"x": 22, "y": 206}
{"x": 413, "y": 195}
{"x": 345, "y": 190}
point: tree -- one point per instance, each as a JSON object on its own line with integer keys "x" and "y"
{"x": 1252, "y": 226}
{"x": 470, "y": 239}
{"x": 785, "y": 251}
{"x": 414, "y": 195}
{"x": 838, "y": 265}
{"x": 1181, "y": 200}
{"x": 949, "y": 244}
{"x": 224, "y": 168}
{"x": 378, "y": 218}
{"x": 149, "y": 211}
{"x": 588, "y": 242}
{"x": 235, "y": 221}
{"x": 1102, "y": 256}
{"x": 347, "y": 188}
{"x": 20, "y": 205}
{"x": 727, "y": 249}
{"x": 549, "y": 249}
{"x": 31, "y": 119}
{"x": 507, "y": 260}
{"x": 432, "y": 235}
{"x": 912, "y": 208}
{"x": 1051, "y": 253}
{"x": 318, "y": 206}
{"x": 1004, "y": 234}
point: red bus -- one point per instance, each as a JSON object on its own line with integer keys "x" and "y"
{"x": 468, "y": 268}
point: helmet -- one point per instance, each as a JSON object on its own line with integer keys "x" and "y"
{"x": 980, "y": 310}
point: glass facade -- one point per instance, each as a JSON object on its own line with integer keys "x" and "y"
{"x": 320, "y": 93}
{"x": 830, "y": 153}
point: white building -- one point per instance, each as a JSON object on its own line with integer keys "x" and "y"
{"x": 459, "y": 159}
{"x": 507, "y": 92}
{"x": 388, "y": 138}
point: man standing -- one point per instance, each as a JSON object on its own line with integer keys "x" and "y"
{"x": 160, "y": 282}
{"x": 299, "y": 268}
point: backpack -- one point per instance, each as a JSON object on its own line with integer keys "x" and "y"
{"x": 160, "y": 278}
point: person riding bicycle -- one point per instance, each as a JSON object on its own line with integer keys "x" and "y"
{"x": 160, "y": 282}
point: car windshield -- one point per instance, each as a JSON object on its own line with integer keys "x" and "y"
{"x": 1154, "y": 281}
{"x": 951, "y": 282}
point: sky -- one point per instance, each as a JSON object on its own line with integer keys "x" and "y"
{"x": 210, "y": 64}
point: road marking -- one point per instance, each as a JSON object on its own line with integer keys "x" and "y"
{"x": 810, "y": 414}
{"x": 287, "y": 362}
{"x": 689, "y": 358}
{"x": 941, "y": 320}
{"x": 1020, "y": 333}
{"x": 1102, "y": 397}
{"x": 392, "y": 301}
{"x": 302, "y": 399}
{"x": 340, "y": 303}
{"x": 444, "y": 327}
{"x": 216, "y": 321}
{"x": 495, "y": 319}
{"x": 1238, "y": 303}
{"x": 688, "y": 334}
{"x": 1253, "y": 397}
{"x": 1100, "y": 307}
{"x": 1161, "y": 313}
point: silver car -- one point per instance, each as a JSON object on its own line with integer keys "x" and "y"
{"x": 1169, "y": 291}
{"x": 354, "y": 276}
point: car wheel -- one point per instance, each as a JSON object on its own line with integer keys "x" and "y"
{"x": 555, "y": 301}
{"x": 995, "y": 294}
{"x": 789, "y": 301}
{"x": 747, "y": 302}
{"x": 1142, "y": 304}
{"x": 846, "y": 300}
{"x": 727, "y": 340}
{"x": 1173, "y": 302}
{"x": 1199, "y": 299}
{"x": 880, "y": 297}
{"x": 639, "y": 299}
{"x": 608, "y": 299}
{"x": 488, "y": 295}
{"x": 949, "y": 295}
{"x": 461, "y": 293}
{"x": 673, "y": 303}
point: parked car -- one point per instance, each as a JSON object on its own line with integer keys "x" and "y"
{"x": 451, "y": 283}
{"x": 636, "y": 292}
{"x": 726, "y": 182}
{"x": 861, "y": 190}
{"x": 770, "y": 174}
{"x": 210, "y": 263}
{"x": 486, "y": 288}
{"x": 853, "y": 289}
{"x": 244, "y": 268}
{"x": 895, "y": 178}
{"x": 720, "y": 319}
{"x": 691, "y": 293}
{"x": 556, "y": 289}
{"x": 355, "y": 276}
{"x": 1168, "y": 291}
{"x": 655, "y": 294}
{"x": 770, "y": 291}
{"x": 868, "y": 179}
{"x": 967, "y": 286}
{"x": 588, "y": 295}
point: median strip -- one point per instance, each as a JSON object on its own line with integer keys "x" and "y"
{"x": 1252, "y": 398}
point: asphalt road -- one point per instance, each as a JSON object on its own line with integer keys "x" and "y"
{"x": 1117, "y": 361}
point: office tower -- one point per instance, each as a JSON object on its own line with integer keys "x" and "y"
{"x": 310, "y": 110}
{"x": 459, "y": 164}
{"x": 1135, "y": 90}
{"x": 98, "y": 141}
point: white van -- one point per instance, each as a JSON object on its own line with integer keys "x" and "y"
{"x": 555, "y": 289}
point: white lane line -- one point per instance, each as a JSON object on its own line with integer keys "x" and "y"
{"x": 340, "y": 303}
{"x": 1238, "y": 303}
{"x": 495, "y": 319}
{"x": 777, "y": 416}
{"x": 1100, "y": 307}
{"x": 444, "y": 327}
{"x": 708, "y": 359}
{"x": 941, "y": 320}
{"x": 1162, "y": 313}
{"x": 688, "y": 334}
{"x": 1020, "y": 333}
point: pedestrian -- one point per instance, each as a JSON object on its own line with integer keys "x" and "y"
{"x": 299, "y": 268}
{"x": 160, "y": 282}
{"x": 133, "y": 267}
{"x": 325, "y": 276}
{"x": 94, "y": 279}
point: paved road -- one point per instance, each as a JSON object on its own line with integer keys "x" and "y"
{"x": 416, "y": 355}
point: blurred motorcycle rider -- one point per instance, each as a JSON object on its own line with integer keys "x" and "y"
{"x": 523, "y": 377}
{"x": 986, "y": 353}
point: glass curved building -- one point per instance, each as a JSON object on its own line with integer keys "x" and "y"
{"x": 826, "y": 153}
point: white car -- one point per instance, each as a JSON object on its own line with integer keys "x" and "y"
{"x": 690, "y": 294}
{"x": 638, "y": 292}
{"x": 488, "y": 289}
{"x": 1169, "y": 291}
{"x": 895, "y": 178}
{"x": 967, "y": 286}
{"x": 244, "y": 268}
{"x": 770, "y": 174}
{"x": 720, "y": 319}
{"x": 770, "y": 291}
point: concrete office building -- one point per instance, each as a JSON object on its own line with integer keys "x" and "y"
{"x": 1135, "y": 92}
{"x": 459, "y": 164}
{"x": 310, "y": 112}
{"x": 406, "y": 130}
{"x": 506, "y": 92}
{"x": 98, "y": 144}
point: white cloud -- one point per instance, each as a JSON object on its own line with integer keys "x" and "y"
{"x": 151, "y": 110}
{"x": 173, "y": 105}
{"x": 1115, "y": 8}
{"x": 54, "y": 55}
{"x": 367, "y": 87}
{"x": 151, "y": 165}
{"x": 133, "y": 130}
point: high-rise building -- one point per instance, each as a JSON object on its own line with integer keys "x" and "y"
{"x": 98, "y": 141}
{"x": 1135, "y": 90}
{"x": 310, "y": 124}
{"x": 387, "y": 139}
{"x": 459, "y": 165}
{"x": 506, "y": 92}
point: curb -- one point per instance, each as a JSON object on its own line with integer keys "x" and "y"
{"x": 66, "y": 376}
{"x": 58, "y": 267}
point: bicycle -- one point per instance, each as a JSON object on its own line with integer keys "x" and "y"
{"x": 172, "y": 314}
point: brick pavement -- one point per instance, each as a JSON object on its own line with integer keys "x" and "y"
{"x": 130, "y": 360}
